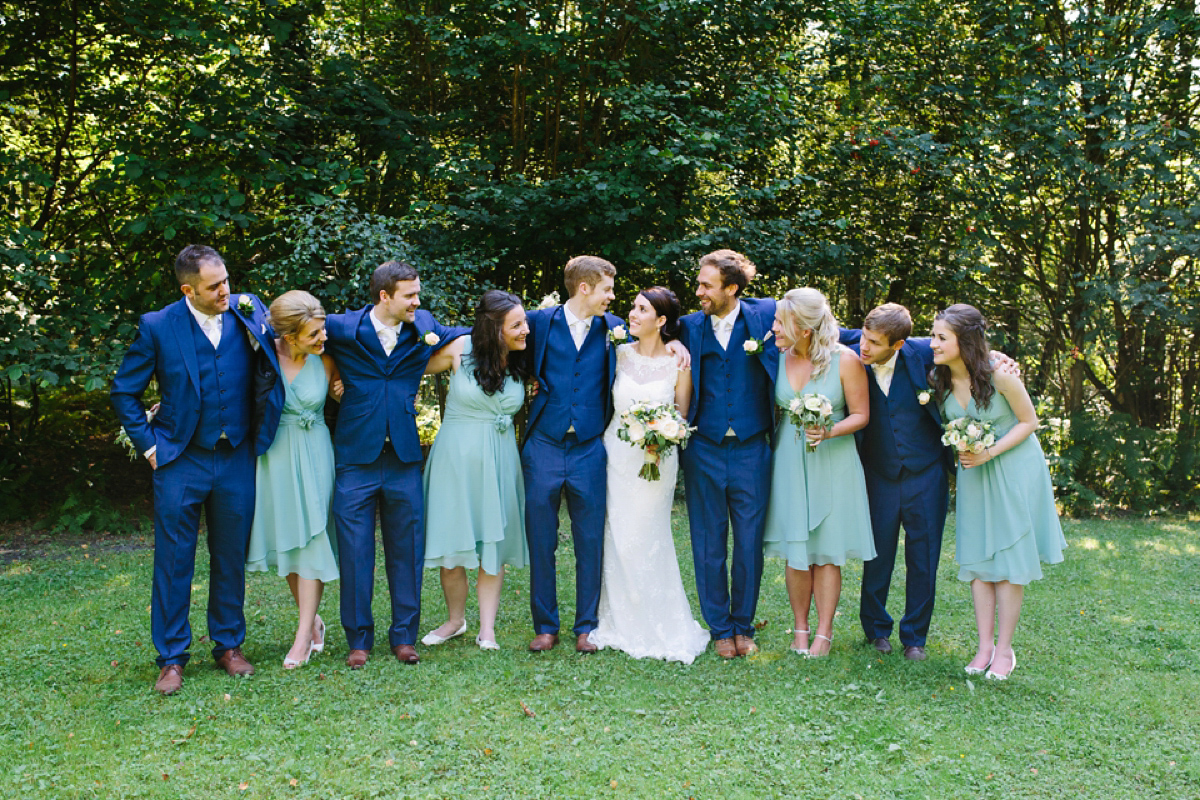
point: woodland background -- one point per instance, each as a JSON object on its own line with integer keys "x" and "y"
{"x": 1036, "y": 159}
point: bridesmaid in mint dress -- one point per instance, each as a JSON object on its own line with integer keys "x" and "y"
{"x": 294, "y": 478}
{"x": 818, "y": 517}
{"x": 474, "y": 490}
{"x": 1006, "y": 522}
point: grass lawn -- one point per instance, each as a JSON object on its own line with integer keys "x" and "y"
{"x": 1104, "y": 702}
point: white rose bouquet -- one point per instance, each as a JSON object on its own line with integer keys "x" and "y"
{"x": 967, "y": 434}
{"x": 655, "y": 428}
{"x": 810, "y": 411}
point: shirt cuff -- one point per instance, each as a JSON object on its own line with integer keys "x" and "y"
{"x": 150, "y": 452}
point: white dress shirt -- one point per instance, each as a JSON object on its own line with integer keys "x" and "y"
{"x": 723, "y": 326}
{"x": 388, "y": 334}
{"x": 884, "y": 373}
{"x": 209, "y": 323}
{"x": 579, "y": 326}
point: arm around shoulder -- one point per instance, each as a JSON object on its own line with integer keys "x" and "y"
{"x": 446, "y": 357}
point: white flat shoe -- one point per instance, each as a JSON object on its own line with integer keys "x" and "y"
{"x": 996, "y": 676}
{"x": 486, "y": 644}
{"x": 800, "y": 651}
{"x": 432, "y": 638}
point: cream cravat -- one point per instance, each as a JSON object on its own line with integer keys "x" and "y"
{"x": 387, "y": 338}
{"x": 212, "y": 329}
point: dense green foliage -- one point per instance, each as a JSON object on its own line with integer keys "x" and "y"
{"x": 1036, "y": 158}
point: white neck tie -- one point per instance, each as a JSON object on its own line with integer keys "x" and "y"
{"x": 387, "y": 338}
{"x": 211, "y": 330}
{"x": 723, "y": 329}
{"x": 883, "y": 377}
{"x": 579, "y": 331}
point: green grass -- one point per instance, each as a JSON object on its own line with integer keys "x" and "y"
{"x": 1102, "y": 705}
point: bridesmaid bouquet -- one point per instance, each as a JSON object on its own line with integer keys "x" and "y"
{"x": 969, "y": 434}
{"x": 655, "y": 428}
{"x": 123, "y": 437}
{"x": 810, "y": 411}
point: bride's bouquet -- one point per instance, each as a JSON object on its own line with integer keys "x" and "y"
{"x": 655, "y": 428}
{"x": 967, "y": 434}
{"x": 810, "y": 411}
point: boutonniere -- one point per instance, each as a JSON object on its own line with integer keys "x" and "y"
{"x": 432, "y": 339}
{"x": 754, "y": 346}
{"x": 618, "y": 334}
{"x": 924, "y": 396}
{"x": 549, "y": 301}
{"x": 245, "y": 305}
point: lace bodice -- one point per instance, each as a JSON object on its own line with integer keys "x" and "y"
{"x": 643, "y": 378}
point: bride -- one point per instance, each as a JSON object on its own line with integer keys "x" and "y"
{"x": 643, "y": 610}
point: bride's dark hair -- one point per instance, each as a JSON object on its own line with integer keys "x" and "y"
{"x": 491, "y": 361}
{"x": 665, "y": 304}
{"x": 971, "y": 329}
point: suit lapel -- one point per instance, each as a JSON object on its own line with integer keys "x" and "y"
{"x": 539, "y": 355}
{"x": 369, "y": 339}
{"x": 181, "y": 326}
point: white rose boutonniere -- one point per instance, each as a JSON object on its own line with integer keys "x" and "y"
{"x": 245, "y": 305}
{"x": 549, "y": 301}
{"x": 754, "y": 346}
{"x": 618, "y": 334}
{"x": 432, "y": 339}
{"x": 924, "y": 396}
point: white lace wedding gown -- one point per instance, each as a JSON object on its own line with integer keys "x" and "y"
{"x": 643, "y": 609}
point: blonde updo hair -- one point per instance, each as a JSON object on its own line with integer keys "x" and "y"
{"x": 292, "y": 310}
{"x": 807, "y": 309}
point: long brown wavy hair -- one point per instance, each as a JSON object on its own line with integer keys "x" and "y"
{"x": 971, "y": 329}
{"x": 492, "y": 363}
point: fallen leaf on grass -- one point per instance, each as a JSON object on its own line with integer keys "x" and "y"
{"x": 613, "y": 783}
{"x": 762, "y": 623}
{"x": 390, "y": 762}
{"x": 293, "y": 782}
{"x": 166, "y": 776}
{"x": 243, "y": 786}
{"x": 528, "y": 711}
{"x": 186, "y": 736}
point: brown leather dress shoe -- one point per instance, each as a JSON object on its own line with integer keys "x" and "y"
{"x": 745, "y": 645}
{"x": 725, "y": 648}
{"x": 883, "y": 645}
{"x": 584, "y": 645}
{"x": 406, "y": 653}
{"x": 543, "y": 642}
{"x": 357, "y": 659}
{"x": 170, "y": 679}
{"x": 234, "y": 663}
{"x": 915, "y": 652}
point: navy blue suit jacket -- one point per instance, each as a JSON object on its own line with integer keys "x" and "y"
{"x": 759, "y": 314}
{"x": 539, "y": 334}
{"x": 918, "y": 357}
{"x": 164, "y": 349}
{"x": 380, "y": 396}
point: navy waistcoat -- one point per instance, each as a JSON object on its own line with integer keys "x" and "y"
{"x": 225, "y": 377}
{"x": 728, "y": 383}
{"x": 576, "y": 379}
{"x": 901, "y": 434}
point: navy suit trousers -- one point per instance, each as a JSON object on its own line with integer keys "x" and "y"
{"x": 220, "y": 481}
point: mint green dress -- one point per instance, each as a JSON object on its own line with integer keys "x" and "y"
{"x": 294, "y": 486}
{"x": 1006, "y": 522}
{"x": 818, "y": 513}
{"x": 474, "y": 490}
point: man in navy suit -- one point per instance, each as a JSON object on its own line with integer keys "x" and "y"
{"x": 906, "y": 467}
{"x": 381, "y": 351}
{"x": 201, "y": 446}
{"x": 727, "y": 463}
{"x": 574, "y": 362}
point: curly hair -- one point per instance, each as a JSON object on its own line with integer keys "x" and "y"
{"x": 735, "y": 268}
{"x": 971, "y": 329}
{"x": 807, "y": 309}
{"x": 492, "y": 362}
